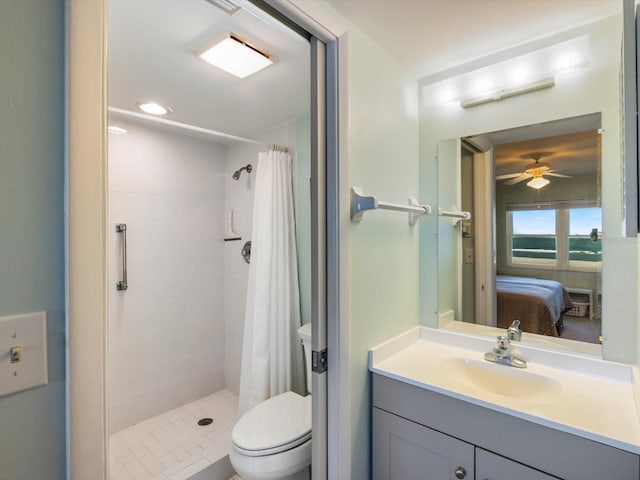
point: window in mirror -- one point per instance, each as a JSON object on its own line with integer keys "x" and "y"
{"x": 533, "y": 237}
{"x": 585, "y": 238}
{"x": 568, "y": 238}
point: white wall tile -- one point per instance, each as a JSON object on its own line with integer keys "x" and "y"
{"x": 166, "y": 332}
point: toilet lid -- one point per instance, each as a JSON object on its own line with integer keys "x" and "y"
{"x": 275, "y": 425}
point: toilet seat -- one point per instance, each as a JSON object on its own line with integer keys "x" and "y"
{"x": 276, "y": 425}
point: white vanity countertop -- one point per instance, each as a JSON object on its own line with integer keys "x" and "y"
{"x": 573, "y": 393}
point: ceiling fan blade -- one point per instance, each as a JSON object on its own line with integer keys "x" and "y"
{"x": 518, "y": 179}
{"x": 542, "y": 168}
{"x": 557, "y": 175}
{"x": 509, "y": 175}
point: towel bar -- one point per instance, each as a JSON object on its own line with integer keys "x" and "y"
{"x": 361, "y": 203}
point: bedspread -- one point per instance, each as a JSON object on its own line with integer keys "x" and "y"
{"x": 538, "y": 304}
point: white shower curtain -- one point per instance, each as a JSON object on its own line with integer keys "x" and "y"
{"x": 272, "y": 313}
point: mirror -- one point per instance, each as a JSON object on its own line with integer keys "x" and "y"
{"x": 526, "y": 232}
{"x": 545, "y": 234}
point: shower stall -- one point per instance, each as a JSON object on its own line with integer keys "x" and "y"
{"x": 175, "y": 332}
{"x": 180, "y": 211}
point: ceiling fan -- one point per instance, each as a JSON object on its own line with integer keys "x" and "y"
{"x": 535, "y": 171}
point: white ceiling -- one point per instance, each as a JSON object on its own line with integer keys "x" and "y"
{"x": 429, "y": 36}
{"x": 151, "y": 55}
{"x": 152, "y": 45}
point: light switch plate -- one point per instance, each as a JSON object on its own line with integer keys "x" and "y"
{"x": 29, "y": 332}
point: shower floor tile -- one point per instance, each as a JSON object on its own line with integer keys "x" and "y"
{"x": 172, "y": 446}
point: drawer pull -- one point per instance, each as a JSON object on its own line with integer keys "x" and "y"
{"x": 460, "y": 472}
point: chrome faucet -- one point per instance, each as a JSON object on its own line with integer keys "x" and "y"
{"x": 503, "y": 354}
{"x": 514, "y": 332}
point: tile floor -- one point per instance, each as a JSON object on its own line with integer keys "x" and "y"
{"x": 172, "y": 446}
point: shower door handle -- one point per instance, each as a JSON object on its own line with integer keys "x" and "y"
{"x": 121, "y": 228}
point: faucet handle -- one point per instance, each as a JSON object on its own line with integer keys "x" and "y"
{"x": 503, "y": 342}
{"x": 514, "y": 332}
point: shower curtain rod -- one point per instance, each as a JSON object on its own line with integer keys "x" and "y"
{"x": 182, "y": 126}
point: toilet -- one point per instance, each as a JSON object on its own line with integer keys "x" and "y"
{"x": 272, "y": 441}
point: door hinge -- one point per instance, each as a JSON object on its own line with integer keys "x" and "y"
{"x": 319, "y": 361}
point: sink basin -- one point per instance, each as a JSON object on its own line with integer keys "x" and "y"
{"x": 500, "y": 379}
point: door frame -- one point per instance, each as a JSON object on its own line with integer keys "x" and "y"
{"x": 86, "y": 246}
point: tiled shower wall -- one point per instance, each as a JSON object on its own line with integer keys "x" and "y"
{"x": 166, "y": 332}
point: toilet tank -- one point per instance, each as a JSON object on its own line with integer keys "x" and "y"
{"x": 304, "y": 334}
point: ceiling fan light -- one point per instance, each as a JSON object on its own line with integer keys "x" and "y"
{"x": 538, "y": 183}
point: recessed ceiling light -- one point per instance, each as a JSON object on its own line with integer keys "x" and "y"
{"x": 236, "y": 56}
{"x": 153, "y": 108}
{"x": 116, "y": 130}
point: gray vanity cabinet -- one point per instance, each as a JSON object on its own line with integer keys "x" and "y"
{"x": 422, "y": 434}
{"x": 408, "y": 451}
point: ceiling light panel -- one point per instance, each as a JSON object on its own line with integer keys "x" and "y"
{"x": 236, "y": 56}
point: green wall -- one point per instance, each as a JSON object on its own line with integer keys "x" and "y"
{"x": 382, "y": 158}
{"x": 32, "y": 218}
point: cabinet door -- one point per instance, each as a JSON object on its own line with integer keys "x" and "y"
{"x": 408, "y": 451}
{"x": 490, "y": 466}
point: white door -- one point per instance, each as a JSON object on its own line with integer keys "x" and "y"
{"x": 484, "y": 239}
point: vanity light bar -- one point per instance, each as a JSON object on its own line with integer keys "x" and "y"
{"x": 508, "y": 92}
{"x": 225, "y": 5}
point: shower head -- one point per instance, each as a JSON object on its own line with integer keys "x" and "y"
{"x": 236, "y": 174}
